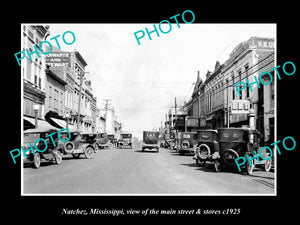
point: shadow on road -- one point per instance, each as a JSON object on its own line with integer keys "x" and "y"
{"x": 177, "y": 154}
{"x": 206, "y": 168}
{"x": 71, "y": 157}
{"x": 140, "y": 151}
{"x": 43, "y": 164}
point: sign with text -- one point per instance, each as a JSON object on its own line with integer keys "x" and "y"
{"x": 57, "y": 59}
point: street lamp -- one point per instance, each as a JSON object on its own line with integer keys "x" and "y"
{"x": 36, "y": 110}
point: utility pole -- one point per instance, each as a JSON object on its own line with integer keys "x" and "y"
{"x": 79, "y": 100}
{"x": 175, "y": 111}
{"x": 175, "y": 118}
{"x": 227, "y": 103}
{"x": 106, "y": 108}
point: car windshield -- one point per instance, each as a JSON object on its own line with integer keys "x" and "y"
{"x": 126, "y": 135}
{"x": 233, "y": 135}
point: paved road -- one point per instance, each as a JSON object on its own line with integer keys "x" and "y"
{"x": 131, "y": 171}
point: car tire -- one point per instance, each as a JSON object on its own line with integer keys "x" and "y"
{"x": 207, "y": 149}
{"x": 89, "y": 152}
{"x": 268, "y": 165}
{"x": 58, "y": 157}
{"x": 69, "y": 146}
{"x": 249, "y": 168}
{"x": 157, "y": 150}
{"x": 36, "y": 160}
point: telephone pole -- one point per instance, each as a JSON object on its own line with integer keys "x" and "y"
{"x": 175, "y": 111}
{"x": 79, "y": 100}
{"x": 105, "y": 115}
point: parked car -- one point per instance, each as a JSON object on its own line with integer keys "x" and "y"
{"x": 187, "y": 142}
{"x": 79, "y": 143}
{"x": 102, "y": 140}
{"x": 112, "y": 141}
{"x": 52, "y": 153}
{"x": 125, "y": 140}
{"x": 207, "y": 148}
{"x": 150, "y": 140}
{"x": 236, "y": 142}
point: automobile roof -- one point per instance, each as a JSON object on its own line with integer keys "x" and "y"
{"x": 208, "y": 130}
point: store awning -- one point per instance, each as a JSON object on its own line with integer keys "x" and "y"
{"x": 61, "y": 123}
{"x": 41, "y": 123}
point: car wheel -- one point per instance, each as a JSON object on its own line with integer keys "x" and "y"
{"x": 89, "y": 152}
{"x": 249, "y": 168}
{"x": 76, "y": 155}
{"x": 268, "y": 165}
{"x": 218, "y": 165}
{"x": 36, "y": 160}
{"x": 203, "y": 148}
{"x": 58, "y": 157}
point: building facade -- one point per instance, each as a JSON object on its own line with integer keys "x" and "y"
{"x": 216, "y": 101}
{"x": 213, "y": 98}
{"x": 71, "y": 65}
{"x": 55, "y": 91}
{"x": 111, "y": 125}
{"x": 247, "y": 60}
{"x": 33, "y": 74}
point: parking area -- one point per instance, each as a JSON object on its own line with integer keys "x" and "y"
{"x": 133, "y": 171}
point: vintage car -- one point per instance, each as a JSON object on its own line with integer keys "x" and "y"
{"x": 187, "y": 142}
{"x": 79, "y": 143}
{"x": 112, "y": 141}
{"x": 125, "y": 141}
{"x": 102, "y": 140}
{"x": 52, "y": 153}
{"x": 207, "y": 148}
{"x": 150, "y": 141}
{"x": 236, "y": 142}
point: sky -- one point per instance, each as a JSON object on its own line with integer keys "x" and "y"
{"x": 143, "y": 80}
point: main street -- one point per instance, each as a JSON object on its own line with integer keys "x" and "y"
{"x": 131, "y": 171}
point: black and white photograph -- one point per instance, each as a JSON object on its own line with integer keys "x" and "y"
{"x": 171, "y": 113}
{"x": 163, "y": 117}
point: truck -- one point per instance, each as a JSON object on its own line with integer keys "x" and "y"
{"x": 150, "y": 140}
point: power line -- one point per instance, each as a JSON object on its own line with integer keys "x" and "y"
{"x": 212, "y": 94}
